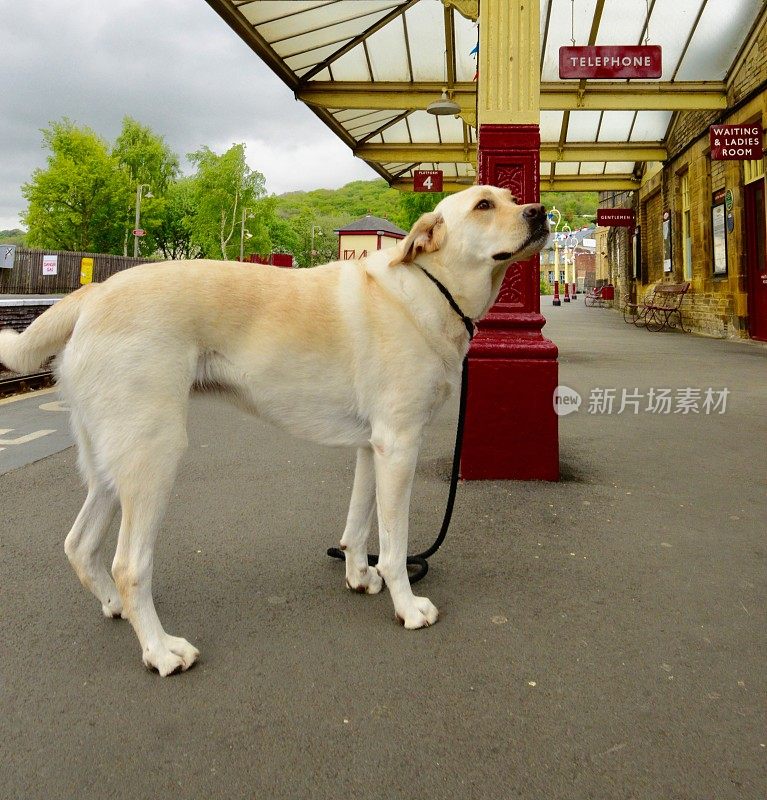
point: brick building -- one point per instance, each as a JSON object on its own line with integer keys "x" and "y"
{"x": 712, "y": 213}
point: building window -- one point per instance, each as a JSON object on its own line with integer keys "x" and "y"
{"x": 753, "y": 170}
{"x": 686, "y": 220}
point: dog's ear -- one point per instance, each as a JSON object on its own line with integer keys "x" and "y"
{"x": 426, "y": 236}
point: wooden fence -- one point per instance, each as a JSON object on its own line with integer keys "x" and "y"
{"x": 26, "y": 275}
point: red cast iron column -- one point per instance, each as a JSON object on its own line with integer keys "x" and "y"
{"x": 511, "y": 428}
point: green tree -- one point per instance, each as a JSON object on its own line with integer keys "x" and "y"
{"x": 283, "y": 236}
{"x": 416, "y": 203}
{"x": 77, "y": 202}
{"x": 224, "y": 186}
{"x": 578, "y": 209}
{"x": 147, "y": 160}
{"x": 173, "y": 233}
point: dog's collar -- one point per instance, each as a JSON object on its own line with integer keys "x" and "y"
{"x": 468, "y": 323}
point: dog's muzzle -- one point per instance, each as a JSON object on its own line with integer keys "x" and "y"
{"x": 535, "y": 215}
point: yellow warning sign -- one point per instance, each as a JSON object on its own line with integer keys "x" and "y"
{"x": 86, "y": 270}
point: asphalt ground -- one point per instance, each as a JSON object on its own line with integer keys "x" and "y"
{"x": 32, "y": 426}
{"x": 600, "y": 637}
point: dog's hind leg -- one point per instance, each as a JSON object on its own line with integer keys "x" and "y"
{"x": 84, "y": 542}
{"x": 144, "y": 484}
{"x": 359, "y": 576}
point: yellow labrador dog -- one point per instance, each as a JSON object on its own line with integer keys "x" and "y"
{"x": 355, "y": 353}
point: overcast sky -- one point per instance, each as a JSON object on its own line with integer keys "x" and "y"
{"x": 173, "y": 65}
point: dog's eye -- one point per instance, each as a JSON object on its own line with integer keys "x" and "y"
{"x": 483, "y": 205}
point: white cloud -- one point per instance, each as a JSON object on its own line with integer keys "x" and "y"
{"x": 171, "y": 64}
{"x": 327, "y": 164}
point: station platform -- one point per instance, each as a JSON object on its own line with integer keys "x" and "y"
{"x": 598, "y": 637}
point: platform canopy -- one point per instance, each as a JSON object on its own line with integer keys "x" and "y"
{"x": 370, "y": 68}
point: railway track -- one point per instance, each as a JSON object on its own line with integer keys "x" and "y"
{"x": 16, "y": 384}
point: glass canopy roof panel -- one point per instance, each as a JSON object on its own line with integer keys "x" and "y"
{"x": 277, "y": 20}
{"x": 592, "y": 167}
{"x": 351, "y": 116}
{"x": 302, "y": 62}
{"x": 621, "y": 23}
{"x": 351, "y": 66}
{"x": 362, "y": 126}
{"x": 450, "y": 129}
{"x": 671, "y": 22}
{"x": 388, "y": 53}
{"x": 722, "y": 28}
{"x": 466, "y": 40}
{"x": 426, "y": 32}
{"x": 567, "y": 167}
{"x": 551, "y": 125}
{"x": 562, "y": 13}
{"x": 397, "y": 134}
{"x": 423, "y": 126}
{"x": 619, "y": 167}
{"x": 650, "y": 126}
{"x": 337, "y": 35}
{"x": 583, "y": 126}
{"x": 615, "y": 126}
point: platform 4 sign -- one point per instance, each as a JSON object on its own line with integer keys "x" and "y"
{"x": 613, "y": 61}
{"x": 427, "y": 180}
{"x": 616, "y": 217}
{"x": 736, "y": 142}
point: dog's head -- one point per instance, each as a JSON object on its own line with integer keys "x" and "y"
{"x": 473, "y": 236}
{"x": 482, "y": 220}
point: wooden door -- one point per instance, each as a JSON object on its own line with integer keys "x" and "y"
{"x": 756, "y": 259}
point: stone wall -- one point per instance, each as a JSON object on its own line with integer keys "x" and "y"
{"x": 716, "y": 305}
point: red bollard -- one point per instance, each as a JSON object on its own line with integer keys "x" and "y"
{"x": 575, "y": 290}
{"x": 556, "y": 301}
{"x": 567, "y": 292}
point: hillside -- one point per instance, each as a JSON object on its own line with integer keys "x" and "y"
{"x": 13, "y": 236}
{"x": 356, "y": 199}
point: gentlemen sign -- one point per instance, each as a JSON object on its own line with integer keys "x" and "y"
{"x": 614, "y": 61}
{"x": 736, "y": 142}
{"x": 615, "y": 217}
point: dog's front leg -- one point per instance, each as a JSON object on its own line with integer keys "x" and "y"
{"x": 359, "y": 576}
{"x": 395, "y": 459}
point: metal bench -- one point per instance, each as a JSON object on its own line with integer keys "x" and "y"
{"x": 660, "y": 309}
{"x": 600, "y": 296}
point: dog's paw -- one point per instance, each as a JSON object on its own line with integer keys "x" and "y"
{"x": 112, "y": 608}
{"x": 172, "y": 655}
{"x": 421, "y": 614}
{"x": 370, "y": 582}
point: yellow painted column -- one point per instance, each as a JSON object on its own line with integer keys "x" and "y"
{"x": 509, "y": 83}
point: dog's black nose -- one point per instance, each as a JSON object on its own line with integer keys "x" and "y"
{"x": 534, "y": 212}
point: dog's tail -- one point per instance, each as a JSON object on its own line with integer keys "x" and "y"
{"x": 46, "y": 336}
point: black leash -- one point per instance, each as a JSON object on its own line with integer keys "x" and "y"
{"x": 419, "y": 561}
